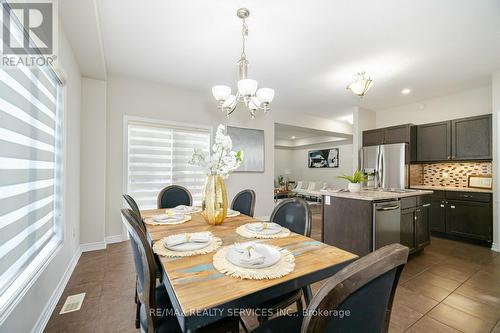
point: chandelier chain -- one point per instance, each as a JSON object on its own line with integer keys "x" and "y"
{"x": 244, "y": 34}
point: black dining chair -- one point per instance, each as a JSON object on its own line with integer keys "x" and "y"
{"x": 244, "y": 202}
{"x": 173, "y": 196}
{"x": 294, "y": 214}
{"x": 358, "y": 298}
{"x": 132, "y": 204}
{"x": 153, "y": 299}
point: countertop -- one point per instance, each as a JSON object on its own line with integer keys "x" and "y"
{"x": 450, "y": 188}
{"x": 374, "y": 195}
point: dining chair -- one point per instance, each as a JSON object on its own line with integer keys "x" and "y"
{"x": 244, "y": 202}
{"x": 132, "y": 204}
{"x": 358, "y": 298}
{"x": 153, "y": 299}
{"x": 294, "y": 214}
{"x": 173, "y": 196}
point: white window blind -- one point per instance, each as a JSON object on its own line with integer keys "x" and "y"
{"x": 158, "y": 156}
{"x": 30, "y": 173}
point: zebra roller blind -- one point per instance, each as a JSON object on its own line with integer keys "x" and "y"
{"x": 158, "y": 156}
{"x": 30, "y": 172}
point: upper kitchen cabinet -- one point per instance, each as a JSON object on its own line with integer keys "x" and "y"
{"x": 387, "y": 135}
{"x": 434, "y": 142}
{"x": 458, "y": 140}
{"x": 471, "y": 138}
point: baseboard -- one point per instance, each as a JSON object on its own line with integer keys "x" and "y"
{"x": 93, "y": 246}
{"x": 114, "y": 239}
{"x": 51, "y": 304}
{"x": 495, "y": 247}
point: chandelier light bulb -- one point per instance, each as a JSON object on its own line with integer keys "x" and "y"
{"x": 247, "y": 87}
{"x": 265, "y": 95}
{"x": 221, "y": 93}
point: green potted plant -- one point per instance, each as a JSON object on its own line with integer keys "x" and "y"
{"x": 354, "y": 181}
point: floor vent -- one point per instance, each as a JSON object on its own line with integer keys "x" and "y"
{"x": 73, "y": 303}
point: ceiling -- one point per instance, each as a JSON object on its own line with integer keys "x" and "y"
{"x": 308, "y": 51}
{"x": 288, "y": 136}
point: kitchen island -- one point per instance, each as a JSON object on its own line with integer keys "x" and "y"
{"x": 364, "y": 221}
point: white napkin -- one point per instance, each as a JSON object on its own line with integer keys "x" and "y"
{"x": 259, "y": 227}
{"x": 249, "y": 256}
{"x": 200, "y": 237}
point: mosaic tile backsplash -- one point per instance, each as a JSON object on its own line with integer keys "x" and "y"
{"x": 447, "y": 174}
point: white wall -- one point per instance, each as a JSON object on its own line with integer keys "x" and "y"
{"x": 93, "y": 164}
{"x": 296, "y": 160}
{"x": 363, "y": 119}
{"x": 35, "y": 307}
{"x": 460, "y": 105}
{"x": 495, "y": 85}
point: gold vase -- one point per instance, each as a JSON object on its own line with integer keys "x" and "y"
{"x": 214, "y": 204}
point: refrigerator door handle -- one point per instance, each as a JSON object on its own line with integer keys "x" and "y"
{"x": 381, "y": 167}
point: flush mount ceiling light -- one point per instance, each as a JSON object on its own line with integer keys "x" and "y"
{"x": 247, "y": 92}
{"x": 406, "y": 91}
{"x": 361, "y": 85}
{"x": 293, "y": 137}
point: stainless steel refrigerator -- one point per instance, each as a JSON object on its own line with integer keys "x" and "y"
{"x": 386, "y": 165}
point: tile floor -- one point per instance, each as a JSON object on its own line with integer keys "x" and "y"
{"x": 449, "y": 287}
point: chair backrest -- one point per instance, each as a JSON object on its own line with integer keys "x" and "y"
{"x": 294, "y": 214}
{"x": 173, "y": 196}
{"x": 244, "y": 202}
{"x": 132, "y": 204}
{"x": 312, "y": 186}
{"x": 144, "y": 267}
{"x": 365, "y": 288}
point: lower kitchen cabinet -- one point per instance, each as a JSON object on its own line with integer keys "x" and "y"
{"x": 437, "y": 214}
{"x": 469, "y": 219}
{"x": 407, "y": 232}
{"x": 415, "y": 232}
{"x": 462, "y": 215}
{"x": 422, "y": 231}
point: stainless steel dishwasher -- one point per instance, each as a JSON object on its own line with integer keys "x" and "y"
{"x": 386, "y": 223}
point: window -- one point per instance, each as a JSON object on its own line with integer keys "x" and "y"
{"x": 30, "y": 175}
{"x": 158, "y": 156}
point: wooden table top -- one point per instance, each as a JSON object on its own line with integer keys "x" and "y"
{"x": 199, "y": 286}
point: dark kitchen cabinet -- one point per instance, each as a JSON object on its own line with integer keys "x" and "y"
{"x": 373, "y": 137}
{"x": 407, "y": 231}
{"x": 437, "y": 215}
{"x": 462, "y": 139}
{"x": 469, "y": 219}
{"x": 387, "y": 135}
{"x": 397, "y": 134}
{"x": 434, "y": 142}
{"x": 471, "y": 138}
{"x": 422, "y": 230}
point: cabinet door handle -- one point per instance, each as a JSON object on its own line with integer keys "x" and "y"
{"x": 426, "y": 205}
{"x": 452, "y": 207}
{"x": 442, "y": 206}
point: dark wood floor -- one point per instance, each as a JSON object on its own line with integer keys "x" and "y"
{"x": 450, "y": 287}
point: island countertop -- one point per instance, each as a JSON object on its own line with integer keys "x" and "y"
{"x": 374, "y": 195}
{"x": 451, "y": 188}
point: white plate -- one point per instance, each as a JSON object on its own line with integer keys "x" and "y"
{"x": 164, "y": 218}
{"x": 188, "y": 246}
{"x": 272, "y": 256}
{"x": 264, "y": 231}
{"x": 186, "y": 210}
{"x": 232, "y": 213}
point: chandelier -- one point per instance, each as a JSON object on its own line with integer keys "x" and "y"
{"x": 247, "y": 92}
{"x": 361, "y": 85}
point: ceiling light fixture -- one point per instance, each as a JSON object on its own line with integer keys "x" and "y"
{"x": 406, "y": 91}
{"x": 293, "y": 137}
{"x": 254, "y": 99}
{"x": 361, "y": 85}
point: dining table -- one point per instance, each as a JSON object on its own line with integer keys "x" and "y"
{"x": 201, "y": 295}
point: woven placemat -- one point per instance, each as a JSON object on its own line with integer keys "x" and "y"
{"x": 284, "y": 266}
{"x": 150, "y": 221}
{"x": 243, "y": 231}
{"x": 160, "y": 249}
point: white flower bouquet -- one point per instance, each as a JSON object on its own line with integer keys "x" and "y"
{"x": 223, "y": 160}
